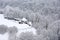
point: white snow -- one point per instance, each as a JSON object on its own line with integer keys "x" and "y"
{"x": 11, "y": 23}
{"x": 30, "y": 23}
{"x": 4, "y": 36}
{"x": 24, "y": 19}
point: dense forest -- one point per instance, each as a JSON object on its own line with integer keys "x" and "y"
{"x": 43, "y": 14}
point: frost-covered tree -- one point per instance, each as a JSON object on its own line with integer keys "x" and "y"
{"x": 49, "y": 34}
{"x": 15, "y": 12}
{"x": 59, "y": 35}
{"x": 3, "y": 29}
{"x": 1, "y": 11}
{"x": 41, "y": 37}
{"x": 11, "y": 12}
{"x": 39, "y": 20}
{"x": 8, "y": 11}
{"x": 31, "y": 17}
{"x": 46, "y": 35}
{"x": 52, "y": 18}
{"x": 52, "y": 35}
{"x": 55, "y": 27}
{"x": 49, "y": 11}
{"x": 39, "y": 23}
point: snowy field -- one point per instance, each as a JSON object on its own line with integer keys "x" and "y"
{"x": 11, "y": 23}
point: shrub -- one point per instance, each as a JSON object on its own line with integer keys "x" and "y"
{"x": 55, "y": 27}
{"x": 3, "y": 29}
{"x": 12, "y": 33}
{"x": 12, "y": 30}
{"x": 26, "y": 36}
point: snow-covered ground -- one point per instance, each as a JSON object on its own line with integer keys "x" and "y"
{"x": 11, "y": 23}
{"x": 4, "y": 36}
